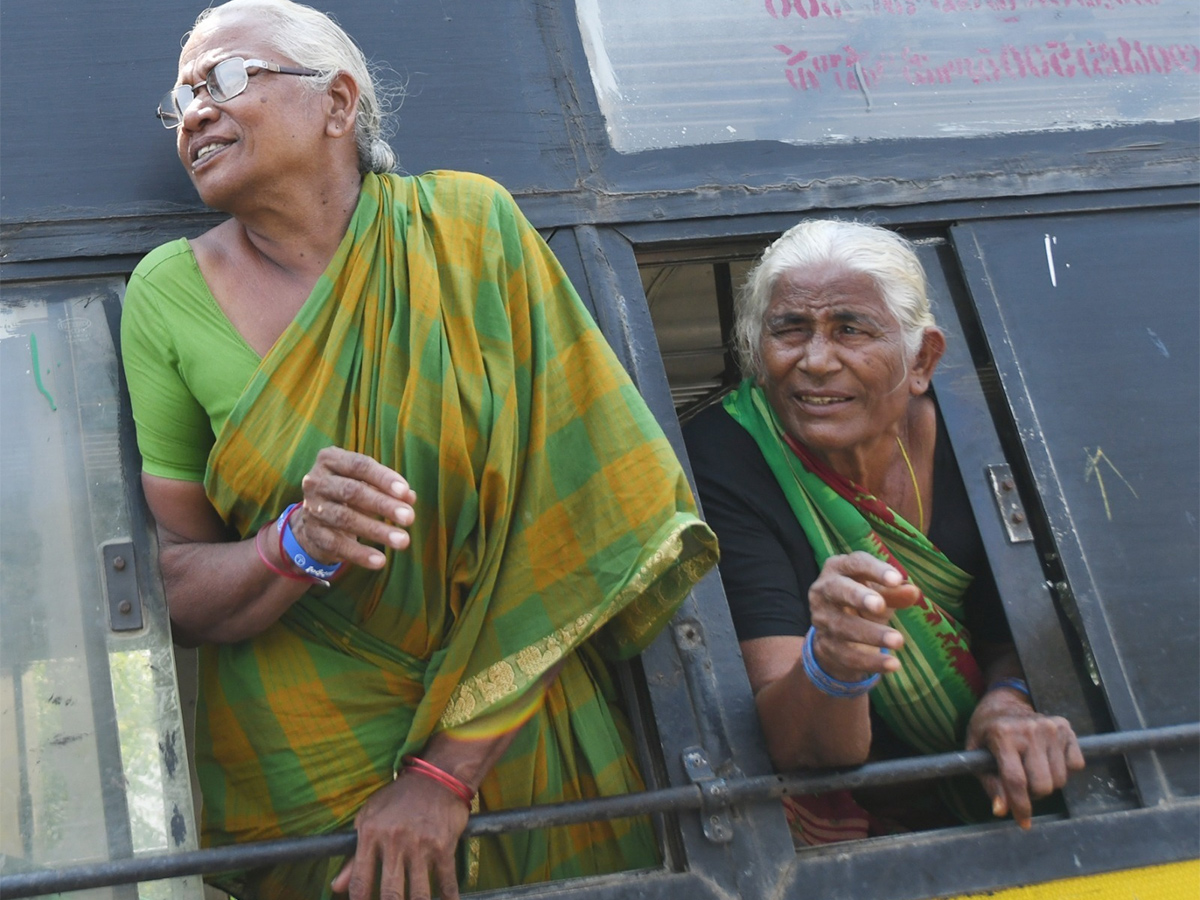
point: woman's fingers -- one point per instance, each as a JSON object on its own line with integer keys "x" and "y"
{"x": 1035, "y": 754}
{"x": 994, "y": 788}
{"x": 863, "y": 567}
{"x": 358, "y": 509}
{"x": 1060, "y": 748}
{"x": 357, "y": 877}
{"x": 865, "y": 585}
{"x": 358, "y": 467}
{"x": 350, "y": 498}
{"x": 852, "y": 658}
{"x": 850, "y": 603}
{"x": 341, "y": 881}
{"x": 447, "y": 877}
{"x": 342, "y": 478}
{"x": 331, "y": 532}
{"x": 406, "y": 830}
{"x": 1039, "y": 779}
{"x": 900, "y": 596}
{"x": 1073, "y": 755}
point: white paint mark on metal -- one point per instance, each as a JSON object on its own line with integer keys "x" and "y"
{"x": 604, "y": 74}
{"x": 1157, "y": 341}
{"x": 1050, "y": 259}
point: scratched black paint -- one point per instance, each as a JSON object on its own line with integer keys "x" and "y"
{"x": 179, "y": 829}
{"x": 170, "y": 755}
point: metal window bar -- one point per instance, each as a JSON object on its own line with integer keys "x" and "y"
{"x": 713, "y": 794}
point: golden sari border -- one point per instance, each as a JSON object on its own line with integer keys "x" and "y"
{"x": 648, "y": 595}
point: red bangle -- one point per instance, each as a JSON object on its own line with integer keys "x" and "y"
{"x": 270, "y": 565}
{"x": 442, "y": 777}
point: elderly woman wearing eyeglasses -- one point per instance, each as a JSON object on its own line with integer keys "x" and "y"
{"x": 408, "y": 501}
{"x": 860, "y": 591}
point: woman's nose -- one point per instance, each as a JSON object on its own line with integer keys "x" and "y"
{"x": 199, "y": 109}
{"x": 819, "y": 356}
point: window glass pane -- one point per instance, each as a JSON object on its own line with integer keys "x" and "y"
{"x": 683, "y": 290}
{"x": 672, "y": 74}
{"x": 683, "y": 306}
{"x": 90, "y": 727}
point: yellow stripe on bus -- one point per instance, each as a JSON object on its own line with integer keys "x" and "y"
{"x": 1175, "y": 881}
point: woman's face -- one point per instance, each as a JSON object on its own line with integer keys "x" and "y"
{"x": 834, "y": 360}
{"x": 231, "y": 147}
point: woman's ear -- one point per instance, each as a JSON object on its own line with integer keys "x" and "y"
{"x": 933, "y": 345}
{"x": 343, "y": 106}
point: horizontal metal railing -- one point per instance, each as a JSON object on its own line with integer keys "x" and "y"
{"x": 719, "y": 793}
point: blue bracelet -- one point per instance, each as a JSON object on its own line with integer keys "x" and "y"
{"x": 1017, "y": 684}
{"x": 826, "y": 683}
{"x": 295, "y": 553}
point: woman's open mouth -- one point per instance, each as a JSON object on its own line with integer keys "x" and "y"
{"x": 823, "y": 401}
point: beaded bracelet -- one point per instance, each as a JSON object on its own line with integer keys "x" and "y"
{"x": 290, "y": 549}
{"x": 826, "y": 683}
{"x": 295, "y": 576}
{"x": 442, "y": 777}
{"x": 1016, "y": 684}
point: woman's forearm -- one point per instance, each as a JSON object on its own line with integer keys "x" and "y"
{"x": 806, "y": 728}
{"x": 222, "y": 592}
{"x": 998, "y": 661}
{"x": 218, "y": 589}
{"x": 471, "y": 751}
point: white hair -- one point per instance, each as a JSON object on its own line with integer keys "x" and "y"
{"x": 313, "y": 40}
{"x": 854, "y": 248}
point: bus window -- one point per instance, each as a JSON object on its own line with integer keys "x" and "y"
{"x": 669, "y": 74}
{"x": 691, "y": 304}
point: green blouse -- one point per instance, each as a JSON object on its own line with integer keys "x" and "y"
{"x": 185, "y": 362}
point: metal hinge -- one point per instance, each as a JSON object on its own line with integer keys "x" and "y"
{"x": 1008, "y": 501}
{"x": 714, "y": 796}
{"x": 121, "y": 586}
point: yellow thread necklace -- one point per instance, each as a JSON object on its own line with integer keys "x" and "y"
{"x": 916, "y": 487}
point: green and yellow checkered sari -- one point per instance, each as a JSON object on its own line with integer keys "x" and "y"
{"x": 553, "y": 520}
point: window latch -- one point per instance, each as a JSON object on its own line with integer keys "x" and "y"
{"x": 714, "y": 796}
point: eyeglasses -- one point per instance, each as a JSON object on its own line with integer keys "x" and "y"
{"x": 224, "y": 81}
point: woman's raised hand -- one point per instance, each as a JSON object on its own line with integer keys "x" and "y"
{"x": 851, "y": 602}
{"x": 350, "y": 498}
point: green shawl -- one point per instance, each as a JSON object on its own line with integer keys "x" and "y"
{"x": 553, "y": 520}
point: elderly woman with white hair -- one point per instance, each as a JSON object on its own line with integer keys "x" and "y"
{"x": 856, "y": 577}
{"x": 408, "y": 501}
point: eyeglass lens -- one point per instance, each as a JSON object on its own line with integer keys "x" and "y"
{"x": 224, "y": 81}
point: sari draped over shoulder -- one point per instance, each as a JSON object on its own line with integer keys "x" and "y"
{"x": 929, "y": 701}
{"x": 553, "y": 522}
